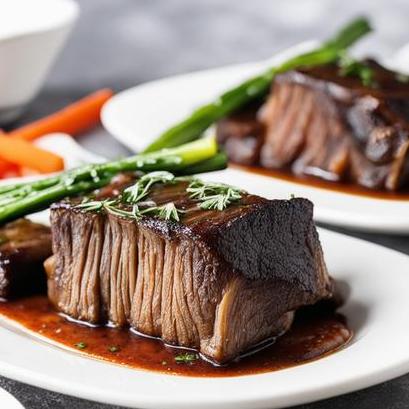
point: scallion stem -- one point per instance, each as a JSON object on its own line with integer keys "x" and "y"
{"x": 25, "y": 198}
{"x": 194, "y": 126}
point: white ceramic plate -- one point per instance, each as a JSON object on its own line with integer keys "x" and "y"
{"x": 377, "y": 309}
{"x": 7, "y": 401}
{"x": 136, "y": 116}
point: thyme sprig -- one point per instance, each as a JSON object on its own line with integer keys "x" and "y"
{"x": 401, "y": 77}
{"x": 134, "y": 195}
{"x": 186, "y": 358}
{"x": 350, "y": 67}
{"x": 114, "y": 209}
{"x": 81, "y": 345}
{"x": 213, "y": 196}
{"x": 91, "y": 205}
{"x": 136, "y": 192}
{"x": 167, "y": 211}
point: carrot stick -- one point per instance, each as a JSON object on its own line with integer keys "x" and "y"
{"x": 28, "y": 172}
{"x": 12, "y": 171}
{"x": 25, "y": 154}
{"x": 6, "y": 167}
{"x": 8, "y": 170}
{"x": 73, "y": 119}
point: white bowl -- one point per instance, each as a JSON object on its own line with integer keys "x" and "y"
{"x": 32, "y": 32}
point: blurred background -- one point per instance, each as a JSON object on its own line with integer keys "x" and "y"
{"x": 119, "y": 43}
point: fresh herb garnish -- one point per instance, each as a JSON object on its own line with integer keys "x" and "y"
{"x": 404, "y": 78}
{"x": 213, "y": 196}
{"x": 91, "y": 205}
{"x": 135, "y": 193}
{"x": 167, "y": 211}
{"x": 114, "y": 348}
{"x": 350, "y": 67}
{"x": 186, "y": 358}
{"x": 113, "y": 208}
{"x": 216, "y": 196}
{"x": 81, "y": 345}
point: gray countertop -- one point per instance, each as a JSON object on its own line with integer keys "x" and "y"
{"x": 125, "y": 42}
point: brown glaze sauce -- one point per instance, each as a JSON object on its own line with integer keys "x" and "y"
{"x": 341, "y": 187}
{"x": 316, "y": 332}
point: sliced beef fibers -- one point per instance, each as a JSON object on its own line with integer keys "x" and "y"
{"x": 319, "y": 123}
{"x": 220, "y": 282}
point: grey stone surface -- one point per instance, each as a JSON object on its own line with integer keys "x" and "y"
{"x": 120, "y": 43}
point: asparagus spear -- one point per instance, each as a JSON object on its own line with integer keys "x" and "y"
{"x": 216, "y": 162}
{"x": 256, "y": 87}
{"x": 20, "y": 199}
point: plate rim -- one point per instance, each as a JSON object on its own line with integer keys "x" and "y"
{"x": 114, "y": 128}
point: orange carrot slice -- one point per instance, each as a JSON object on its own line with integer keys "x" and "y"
{"x": 7, "y": 169}
{"x": 73, "y": 119}
{"x": 23, "y": 171}
{"x": 25, "y": 154}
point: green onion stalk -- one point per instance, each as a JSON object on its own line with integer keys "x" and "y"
{"x": 20, "y": 199}
{"x": 193, "y": 127}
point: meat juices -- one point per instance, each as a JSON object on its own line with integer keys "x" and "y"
{"x": 220, "y": 282}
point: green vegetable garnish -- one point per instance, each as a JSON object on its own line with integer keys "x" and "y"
{"x": 404, "y": 78}
{"x": 213, "y": 196}
{"x": 81, "y": 345}
{"x": 348, "y": 66}
{"x": 167, "y": 211}
{"x": 257, "y": 87}
{"x": 140, "y": 189}
{"x": 186, "y": 358}
{"x": 20, "y": 199}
